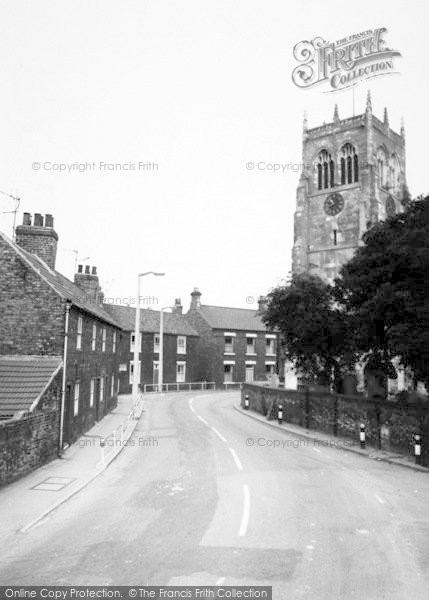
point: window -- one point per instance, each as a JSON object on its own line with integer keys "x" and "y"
{"x": 180, "y": 372}
{"x": 101, "y": 389}
{"x": 156, "y": 343}
{"x": 229, "y": 343}
{"x": 132, "y": 371}
{"x": 228, "y": 373}
{"x": 94, "y": 337}
{"x": 79, "y": 333}
{"x": 349, "y": 164}
{"x": 250, "y": 345}
{"x": 103, "y": 343}
{"x": 112, "y": 386}
{"x": 132, "y": 339}
{"x": 270, "y": 345}
{"x": 335, "y": 237}
{"x": 114, "y": 342}
{"x": 91, "y": 393}
{"x": 325, "y": 170}
{"x": 269, "y": 369}
{"x": 76, "y": 399}
{"x": 181, "y": 344}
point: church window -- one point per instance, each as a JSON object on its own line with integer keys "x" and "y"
{"x": 335, "y": 237}
{"x": 349, "y": 164}
{"x": 325, "y": 171}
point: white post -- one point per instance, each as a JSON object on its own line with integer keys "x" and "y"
{"x": 161, "y": 351}
{"x": 136, "y": 371}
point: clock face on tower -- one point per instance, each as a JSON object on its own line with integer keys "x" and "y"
{"x": 334, "y": 204}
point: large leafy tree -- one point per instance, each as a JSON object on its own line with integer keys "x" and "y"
{"x": 313, "y": 328}
{"x": 385, "y": 290}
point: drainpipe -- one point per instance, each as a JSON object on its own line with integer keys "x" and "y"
{"x": 63, "y": 387}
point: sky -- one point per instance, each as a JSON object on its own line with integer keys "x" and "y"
{"x": 188, "y": 92}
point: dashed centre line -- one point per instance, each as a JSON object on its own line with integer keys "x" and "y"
{"x": 219, "y": 435}
{"x": 236, "y": 459}
{"x": 246, "y": 512}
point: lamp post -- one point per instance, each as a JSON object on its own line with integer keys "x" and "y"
{"x": 136, "y": 373}
{"x": 161, "y": 349}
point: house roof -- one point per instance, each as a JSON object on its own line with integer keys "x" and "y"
{"x": 62, "y": 286}
{"x": 23, "y": 380}
{"x": 222, "y": 317}
{"x": 150, "y": 320}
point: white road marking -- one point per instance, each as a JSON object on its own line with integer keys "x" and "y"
{"x": 193, "y": 410}
{"x": 219, "y": 435}
{"x": 317, "y": 450}
{"x": 246, "y": 511}
{"x": 380, "y": 499}
{"x": 202, "y": 420}
{"x": 190, "y": 401}
{"x": 236, "y": 459}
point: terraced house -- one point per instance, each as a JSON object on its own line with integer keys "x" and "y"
{"x": 44, "y": 314}
{"x": 180, "y": 347}
{"x": 234, "y": 345}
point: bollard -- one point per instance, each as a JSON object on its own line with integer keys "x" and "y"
{"x": 280, "y": 414}
{"x": 102, "y": 444}
{"x": 362, "y": 435}
{"x": 246, "y": 402}
{"x": 418, "y": 448}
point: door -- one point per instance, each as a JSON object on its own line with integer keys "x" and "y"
{"x": 98, "y": 411}
{"x": 68, "y": 416}
{"x": 250, "y": 371}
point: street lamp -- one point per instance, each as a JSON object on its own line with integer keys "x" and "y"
{"x": 161, "y": 349}
{"x": 136, "y": 373}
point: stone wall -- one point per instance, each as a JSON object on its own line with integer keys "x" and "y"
{"x": 388, "y": 425}
{"x": 32, "y": 441}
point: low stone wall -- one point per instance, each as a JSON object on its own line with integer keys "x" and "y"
{"x": 388, "y": 425}
{"x": 27, "y": 443}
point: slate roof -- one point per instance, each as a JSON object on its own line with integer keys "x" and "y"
{"x": 221, "y": 317}
{"x": 65, "y": 288}
{"x": 149, "y": 320}
{"x": 23, "y": 380}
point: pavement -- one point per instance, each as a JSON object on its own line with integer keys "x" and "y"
{"x": 204, "y": 495}
{"x": 321, "y": 439}
{"x": 27, "y": 501}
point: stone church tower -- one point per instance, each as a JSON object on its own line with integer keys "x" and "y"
{"x": 353, "y": 176}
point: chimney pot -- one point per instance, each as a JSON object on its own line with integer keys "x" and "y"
{"x": 94, "y": 270}
{"x": 87, "y": 271}
{"x": 80, "y": 269}
{"x": 49, "y": 221}
{"x": 38, "y": 220}
{"x": 26, "y": 219}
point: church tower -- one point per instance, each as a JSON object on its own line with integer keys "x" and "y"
{"x": 353, "y": 176}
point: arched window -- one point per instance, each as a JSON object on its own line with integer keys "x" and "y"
{"x": 325, "y": 170}
{"x": 394, "y": 174}
{"x": 349, "y": 164}
{"x": 382, "y": 168}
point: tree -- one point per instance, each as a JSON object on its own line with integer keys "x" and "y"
{"x": 313, "y": 328}
{"x": 385, "y": 288}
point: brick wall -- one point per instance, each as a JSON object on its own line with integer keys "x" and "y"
{"x": 32, "y": 315}
{"x": 85, "y": 364}
{"x": 31, "y": 442}
{"x": 388, "y": 425}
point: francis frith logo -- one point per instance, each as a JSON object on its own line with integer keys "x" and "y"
{"x": 343, "y": 63}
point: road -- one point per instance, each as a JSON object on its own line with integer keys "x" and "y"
{"x": 201, "y": 497}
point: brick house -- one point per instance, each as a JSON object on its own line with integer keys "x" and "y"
{"x": 30, "y": 397}
{"x": 180, "y": 342}
{"x": 44, "y": 313}
{"x": 234, "y": 345}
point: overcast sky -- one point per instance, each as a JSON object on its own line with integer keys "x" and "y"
{"x": 199, "y": 88}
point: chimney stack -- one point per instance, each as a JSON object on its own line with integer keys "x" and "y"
{"x": 196, "y": 299}
{"x": 262, "y": 304}
{"x": 39, "y": 239}
{"x": 178, "y": 308}
{"x": 88, "y": 282}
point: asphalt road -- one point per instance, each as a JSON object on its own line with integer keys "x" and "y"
{"x": 202, "y": 497}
